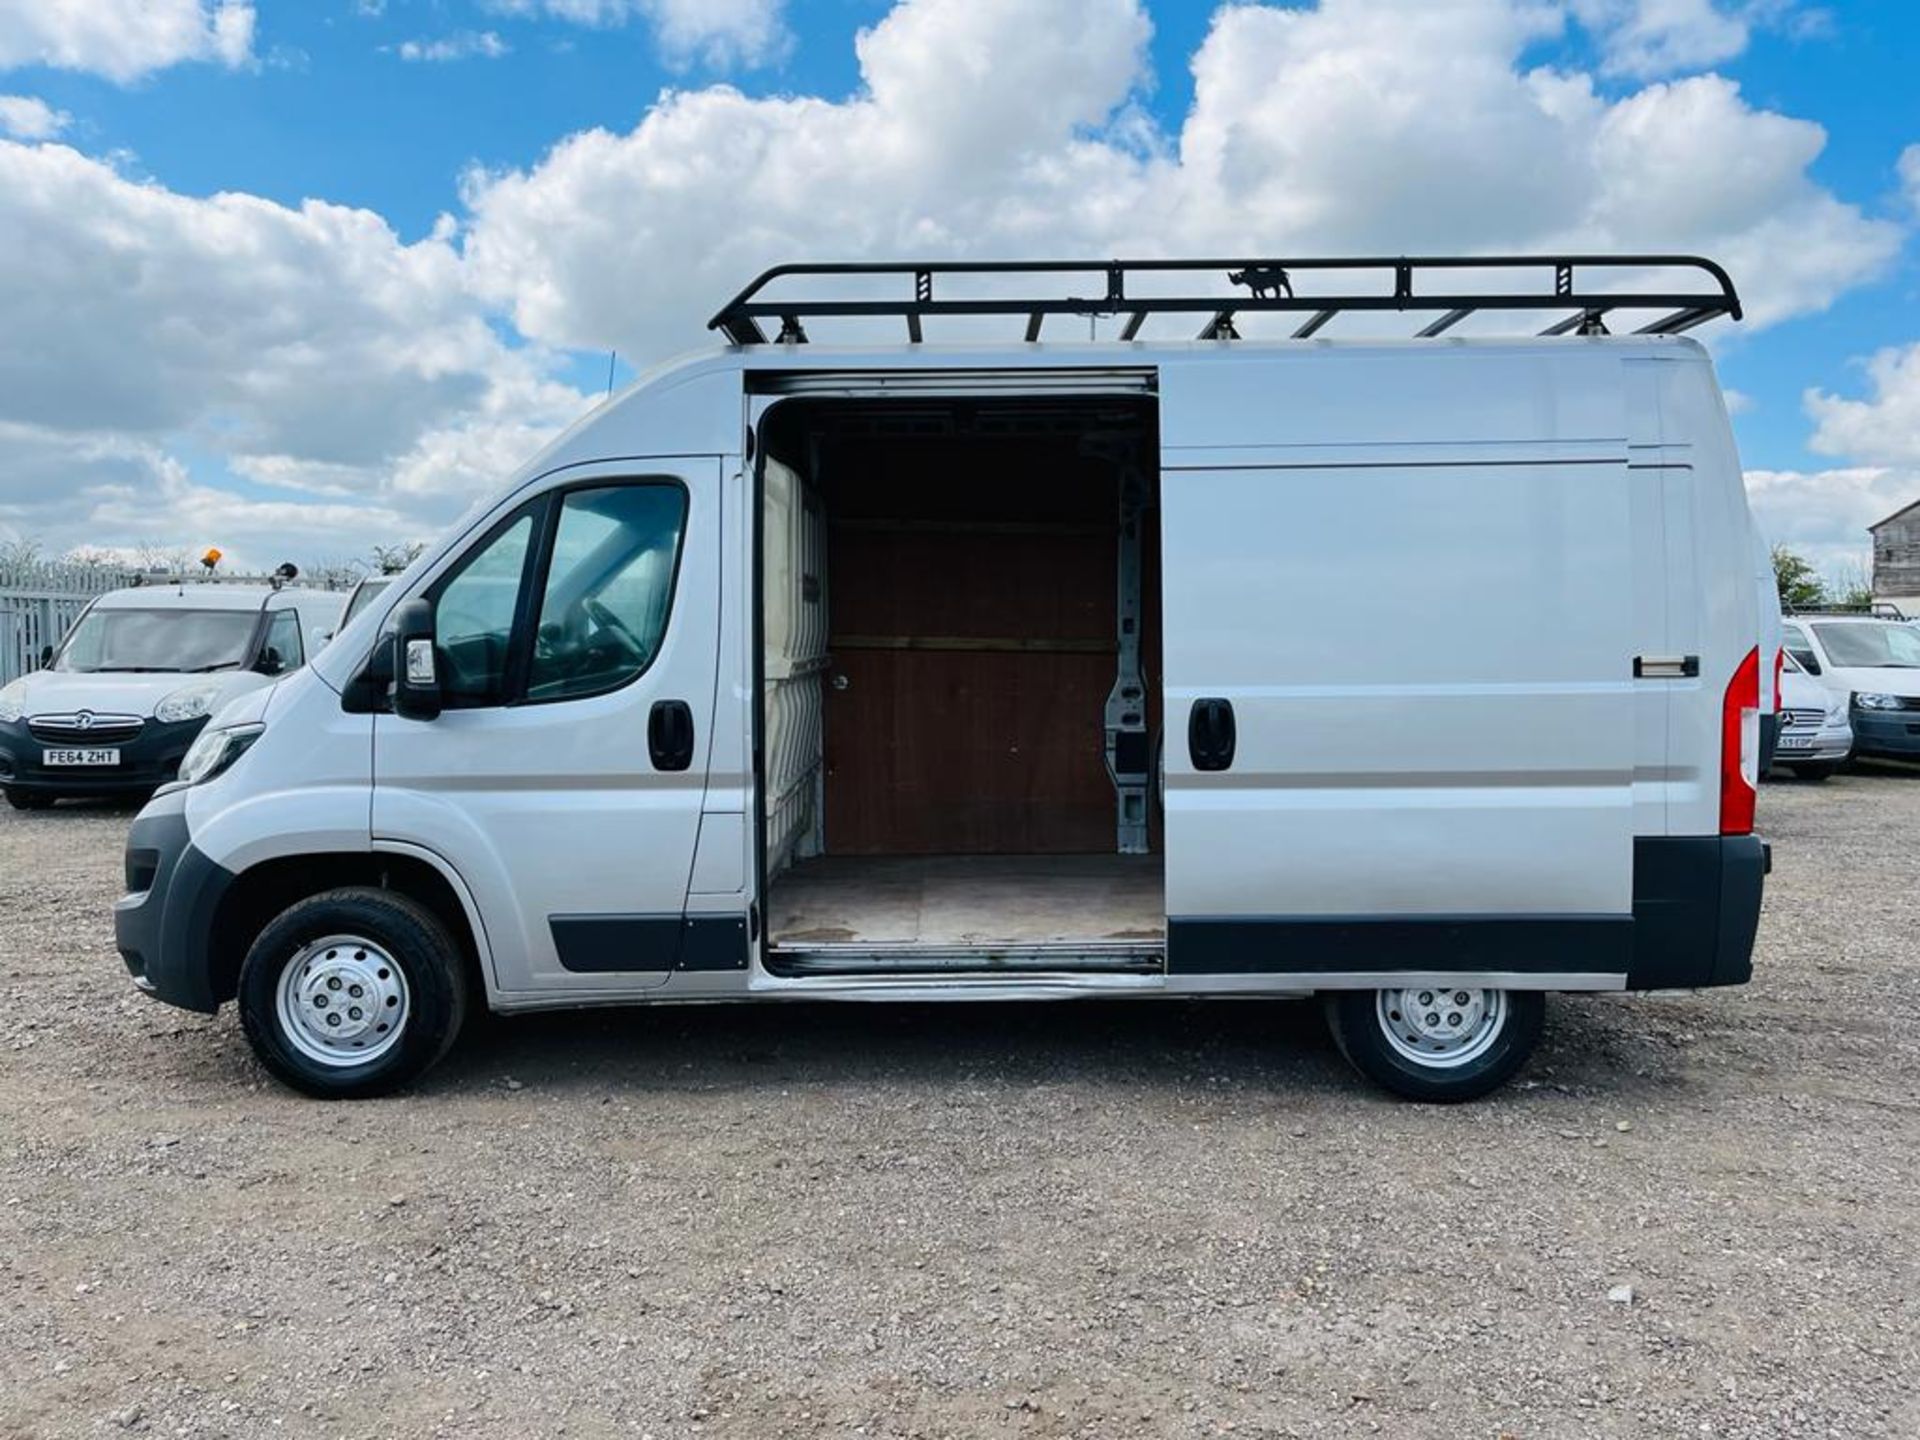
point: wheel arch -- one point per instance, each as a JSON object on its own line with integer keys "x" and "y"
{"x": 263, "y": 890}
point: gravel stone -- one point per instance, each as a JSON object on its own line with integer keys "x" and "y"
{"x": 1053, "y": 1221}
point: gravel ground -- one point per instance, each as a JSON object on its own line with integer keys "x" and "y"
{"x": 1088, "y": 1220}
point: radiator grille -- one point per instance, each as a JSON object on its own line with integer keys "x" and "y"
{"x": 85, "y": 728}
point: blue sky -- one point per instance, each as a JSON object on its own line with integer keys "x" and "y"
{"x": 450, "y": 125}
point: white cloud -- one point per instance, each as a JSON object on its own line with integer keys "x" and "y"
{"x": 311, "y": 350}
{"x": 313, "y": 330}
{"x": 1883, "y": 429}
{"x": 1645, "y": 38}
{"x": 111, "y": 492}
{"x": 124, "y": 39}
{"x": 721, "y": 34}
{"x": 1823, "y": 515}
{"x": 26, "y": 117}
{"x": 1908, "y": 168}
{"x": 461, "y": 45}
{"x": 990, "y": 128}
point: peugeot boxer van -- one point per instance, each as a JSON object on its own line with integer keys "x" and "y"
{"x": 122, "y": 697}
{"x": 1046, "y": 669}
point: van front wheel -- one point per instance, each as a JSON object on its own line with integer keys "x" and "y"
{"x": 352, "y": 993}
{"x": 1437, "y": 1042}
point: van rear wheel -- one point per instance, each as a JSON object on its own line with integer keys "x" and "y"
{"x": 1437, "y": 1042}
{"x": 352, "y": 993}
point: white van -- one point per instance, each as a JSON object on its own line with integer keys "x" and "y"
{"x": 1873, "y": 666}
{"x": 1039, "y": 670}
{"x": 119, "y": 701}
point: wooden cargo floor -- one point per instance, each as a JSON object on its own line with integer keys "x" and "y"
{"x": 969, "y": 899}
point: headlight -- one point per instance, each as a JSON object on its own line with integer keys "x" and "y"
{"x": 13, "y": 700}
{"x": 189, "y": 702}
{"x": 215, "y": 751}
{"x": 1869, "y": 701}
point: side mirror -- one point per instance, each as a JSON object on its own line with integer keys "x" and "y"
{"x": 46, "y": 656}
{"x": 415, "y": 687}
{"x": 269, "y": 662}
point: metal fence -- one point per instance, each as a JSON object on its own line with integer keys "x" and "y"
{"x": 41, "y": 600}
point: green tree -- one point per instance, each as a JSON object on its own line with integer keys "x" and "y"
{"x": 1799, "y": 585}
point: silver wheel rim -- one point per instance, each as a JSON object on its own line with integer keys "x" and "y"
{"x": 1441, "y": 1027}
{"x": 342, "y": 1001}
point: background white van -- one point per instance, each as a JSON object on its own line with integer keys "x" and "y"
{"x": 1873, "y": 665}
{"x": 132, "y": 683}
{"x": 1038, "y": 670}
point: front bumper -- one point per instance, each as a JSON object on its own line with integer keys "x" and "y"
{"x": 163, "y": 925}
{"x": 1894, "y": 733}
{"x": 147, "y": 761}
{"x": 1830, "y": 742}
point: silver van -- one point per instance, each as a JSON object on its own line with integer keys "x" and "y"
{"x": 1038, "y": 669}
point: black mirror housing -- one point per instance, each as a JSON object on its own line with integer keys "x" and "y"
{"x": 414, "y": 690}
{"x": 46, "y": 656}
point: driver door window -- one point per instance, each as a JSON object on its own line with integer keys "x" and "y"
{"x": 283, "y": 650}
{"x": 609, "y": 585}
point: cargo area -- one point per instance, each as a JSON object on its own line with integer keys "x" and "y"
{"x": 959, "y": 683}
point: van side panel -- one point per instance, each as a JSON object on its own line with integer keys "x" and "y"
{"x": 1430, "y": 669}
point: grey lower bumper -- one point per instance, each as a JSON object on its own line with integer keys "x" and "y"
{"x": 1894, "y": 733}
{"x": 163, "y": 925}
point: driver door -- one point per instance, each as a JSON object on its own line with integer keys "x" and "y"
{"x": 565, "y": 777}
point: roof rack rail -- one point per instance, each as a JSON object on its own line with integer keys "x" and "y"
{"x": 1873, "y": 610}
{"x": 1269, "y": 284}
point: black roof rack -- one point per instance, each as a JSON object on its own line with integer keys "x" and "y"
{"x": 1872, "y": 610}
{"x": 1417, "y": 283}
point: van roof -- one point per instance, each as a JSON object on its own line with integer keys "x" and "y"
{"x": 189, "y": 595}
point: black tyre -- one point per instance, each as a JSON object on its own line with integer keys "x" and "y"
{"x": 1437, "y": 1043}
{"x": 352, "y": 993}
{"x": 1816, "y": 770}
{"x": 28, "y": 800}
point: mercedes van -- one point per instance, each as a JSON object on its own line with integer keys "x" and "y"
{"x": 1418, "y": 674}
{"x": 1815, "y": 734}
{"x": 119, "y": 701}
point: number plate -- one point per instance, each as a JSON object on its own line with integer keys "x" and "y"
{"x": 80, "y": 757}
{"x": 1796, "y": 742}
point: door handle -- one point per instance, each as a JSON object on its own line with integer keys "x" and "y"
{"x": 670, "y": 735}
{"x": 1666, "y": 667}
{"x": 1210, "y": 734}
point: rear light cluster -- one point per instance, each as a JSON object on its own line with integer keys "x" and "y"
{"x": 1740, "y": 747}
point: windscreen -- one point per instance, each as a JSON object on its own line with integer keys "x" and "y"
{"x": 158, "y": 640}
{"x": 1871, "y": 647}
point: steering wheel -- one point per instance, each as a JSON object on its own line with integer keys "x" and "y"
{"x": 614, "y": 626}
